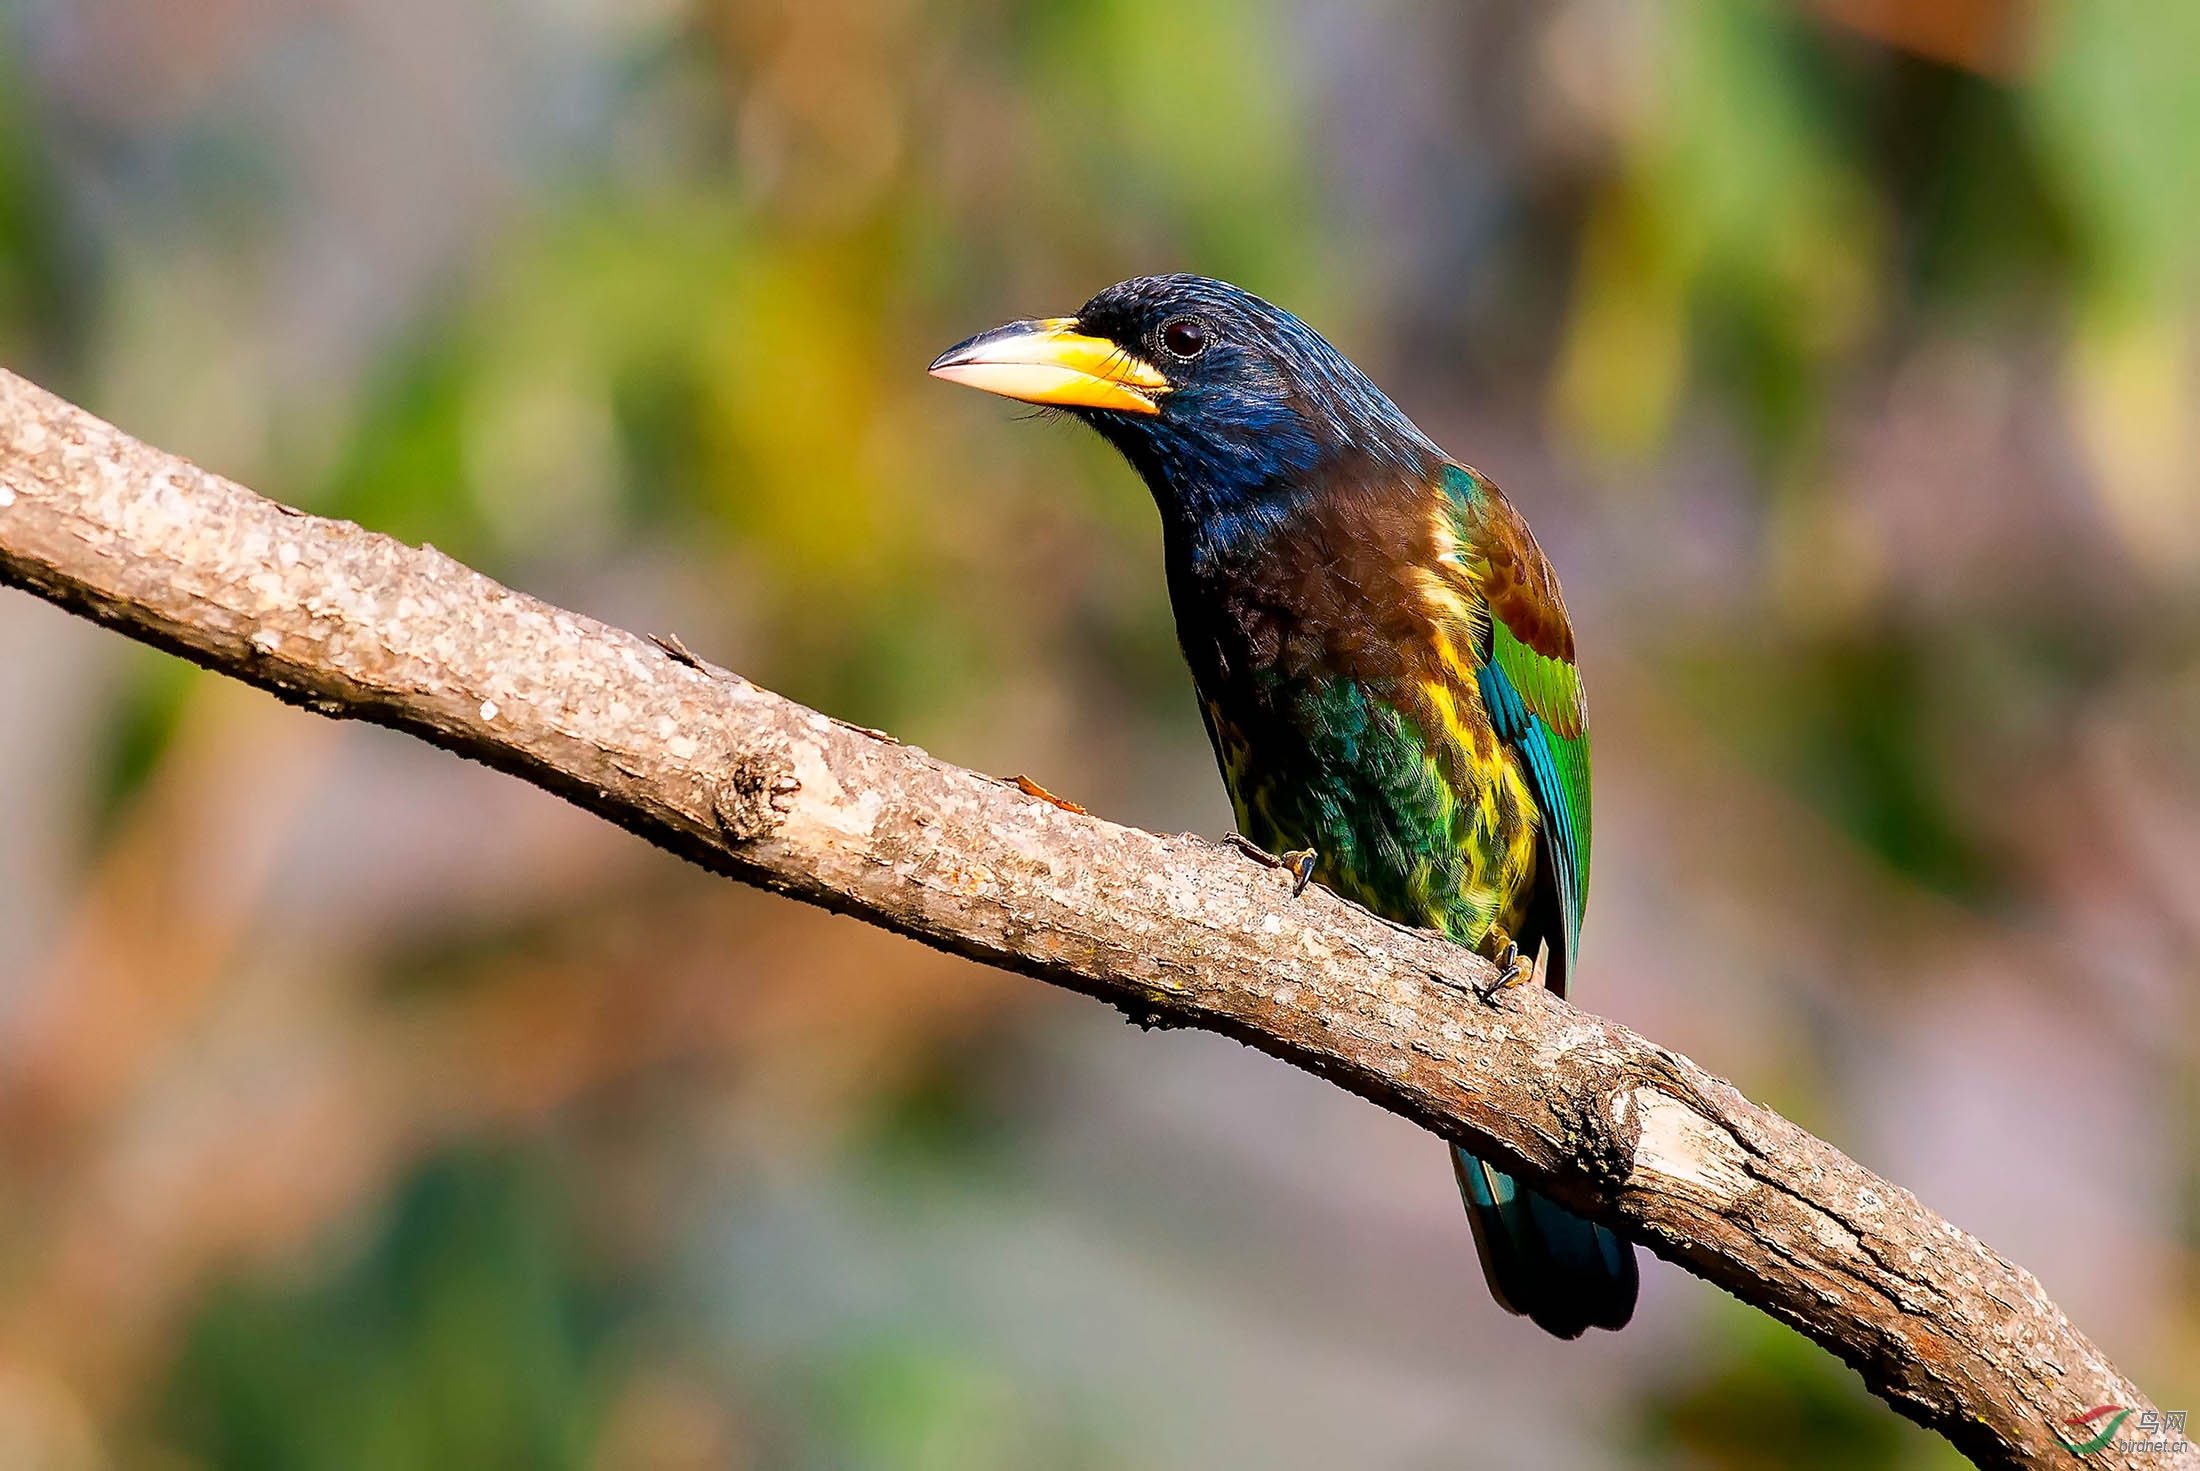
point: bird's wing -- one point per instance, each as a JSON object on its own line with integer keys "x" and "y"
{"x": 1524, "y": 665}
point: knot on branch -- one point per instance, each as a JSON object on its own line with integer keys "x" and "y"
{"x": 751, "y": 798}
{"x": 1590, "y": 1110}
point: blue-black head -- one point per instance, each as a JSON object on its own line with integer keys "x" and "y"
{"x": 1230, "y": 408}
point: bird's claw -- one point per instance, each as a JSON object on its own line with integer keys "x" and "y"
{"x": 1513, "y": 967}
{"x": 1299, "y": 862}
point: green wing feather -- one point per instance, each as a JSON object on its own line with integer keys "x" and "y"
{"x": 1558, "y": 764}
{"x": 1529, "y": 682}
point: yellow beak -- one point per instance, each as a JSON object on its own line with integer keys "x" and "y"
{"x": 1051, "y": 362}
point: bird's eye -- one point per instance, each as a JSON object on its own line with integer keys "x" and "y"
{"x": 1184, "y": 336}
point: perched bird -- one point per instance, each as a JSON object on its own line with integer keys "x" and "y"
{"x": 1381, "y": 653}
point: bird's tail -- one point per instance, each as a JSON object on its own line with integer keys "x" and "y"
{"x": 1548, "y": 1264}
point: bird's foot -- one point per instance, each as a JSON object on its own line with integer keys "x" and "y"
{"x": 1299, "y": 862}
{"x": 1031, "y": 788}
{"x": 1513, "y": 968}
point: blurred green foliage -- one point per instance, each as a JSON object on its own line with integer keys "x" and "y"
{"x": 155, "y": 693}
{"x": 1738, "y": 230}
{"x": 1861, "y": 727}
{"x": 1795, "y": 205}
{"x": 463, "y": 1334}
{"x": 2117, "y": 109}
{"x": 916, "y": 1405}
{"x": 954, "y": 1118}
{"x": 37, "y": 296}
{"x": 1770, "y": 1400}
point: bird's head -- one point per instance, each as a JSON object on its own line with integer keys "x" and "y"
{"x": 1230, "y": 408}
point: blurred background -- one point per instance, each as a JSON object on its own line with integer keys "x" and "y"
{"x": 360, "y": 1108}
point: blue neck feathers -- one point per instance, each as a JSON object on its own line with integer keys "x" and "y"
{"x": 1227, "y": 465}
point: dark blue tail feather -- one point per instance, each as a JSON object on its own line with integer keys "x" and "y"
{"x": 1563, "y": 1273}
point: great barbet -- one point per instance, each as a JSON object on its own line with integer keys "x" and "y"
{"x": 1381, "y": 654}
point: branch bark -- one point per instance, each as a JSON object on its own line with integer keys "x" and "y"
{"x": 1174, "y": 930}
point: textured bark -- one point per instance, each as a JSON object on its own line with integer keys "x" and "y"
{"x": 1174, "y": 930}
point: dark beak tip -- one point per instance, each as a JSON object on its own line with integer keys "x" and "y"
{"x": 963, "y": 351}
{"x": 953, "y": 355}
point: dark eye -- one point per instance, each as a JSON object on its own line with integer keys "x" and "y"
{"x": 1185, "y": 336}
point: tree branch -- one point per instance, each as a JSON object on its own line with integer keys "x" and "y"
{"x": 1170, "y": 929}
